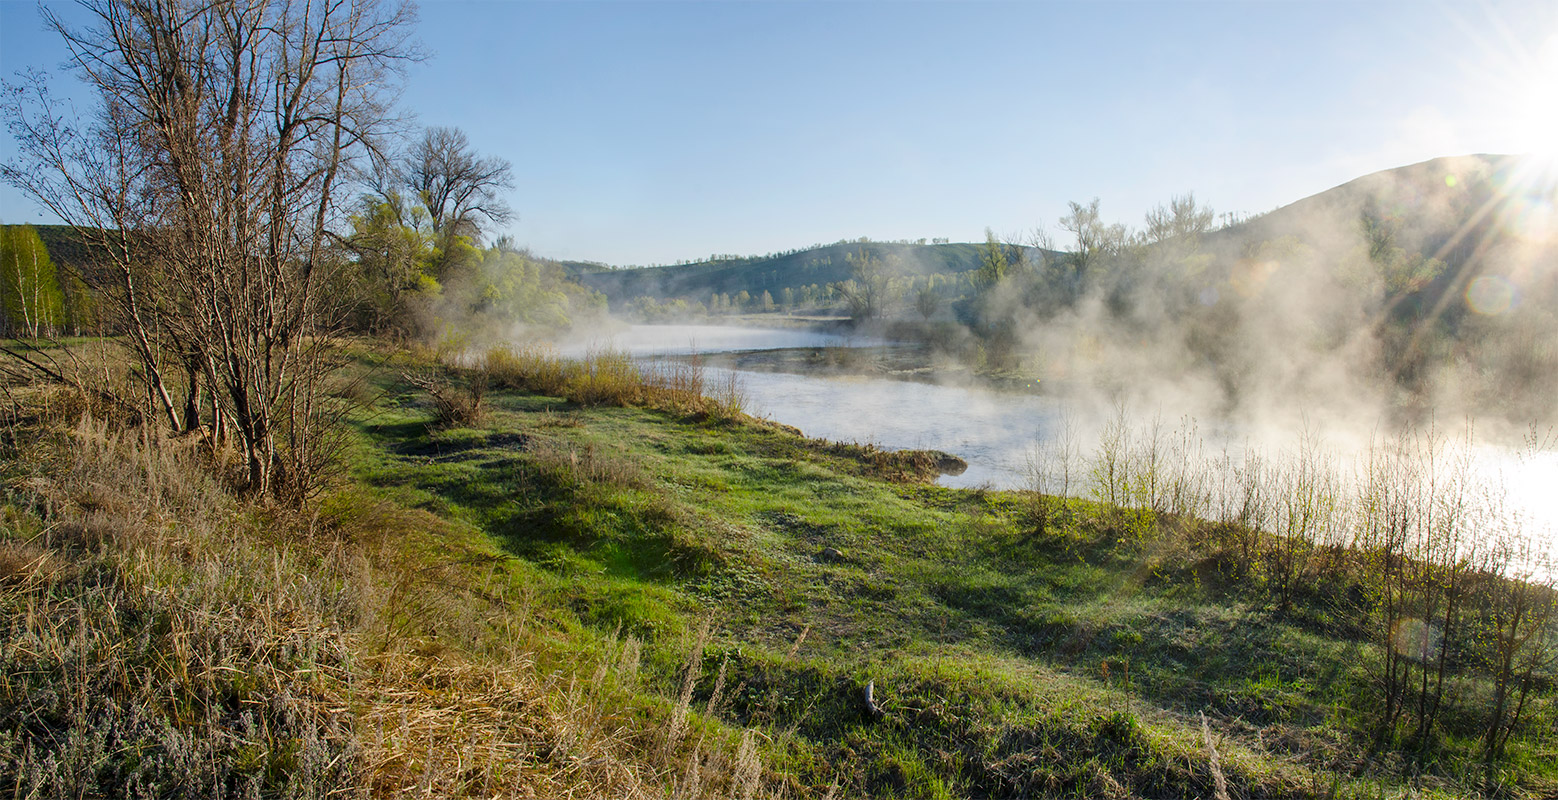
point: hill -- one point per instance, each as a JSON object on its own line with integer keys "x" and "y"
{"x": 817, "y": 265}
{"x": 1442, "y": 206}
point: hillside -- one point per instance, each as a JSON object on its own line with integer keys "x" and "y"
{"x": 1442, "y": 206}
{"x": 1476, "y": 215}
{"x": 1453, "y": 209}
{"x": 818, "y": 265}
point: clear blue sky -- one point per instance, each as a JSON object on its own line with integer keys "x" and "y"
{"x": 651, "y": 132}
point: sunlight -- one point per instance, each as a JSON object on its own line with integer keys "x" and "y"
{"x": 1537, "y": 114}
{"x": 1531, "y": 205}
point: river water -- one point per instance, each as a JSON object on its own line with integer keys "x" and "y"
{"x": 996, "y": 431}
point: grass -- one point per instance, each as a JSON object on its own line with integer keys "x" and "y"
{"x": 606, "y": 587}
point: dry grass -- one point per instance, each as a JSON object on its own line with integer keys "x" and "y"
{"x": 162, "y": 639}
{"x": 613, "y": 378}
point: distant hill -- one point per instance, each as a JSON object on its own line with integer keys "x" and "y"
{"x": 818, "y": 265}
{"x": 1445, "y": 208}
{"x": 1479, "y": 215}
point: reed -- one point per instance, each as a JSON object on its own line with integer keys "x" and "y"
{"x": 611, "y": 377}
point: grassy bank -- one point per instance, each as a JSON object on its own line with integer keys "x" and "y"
{"x": 541, "y": 577}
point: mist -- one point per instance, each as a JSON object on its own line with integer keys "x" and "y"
{"x": 1420, "y": 293}
{"x": 1418, "y": 299}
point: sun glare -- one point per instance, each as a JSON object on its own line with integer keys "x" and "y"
{"x": 1539, "y": 115}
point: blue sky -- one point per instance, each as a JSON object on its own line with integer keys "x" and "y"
{"x": 650, "y": 132}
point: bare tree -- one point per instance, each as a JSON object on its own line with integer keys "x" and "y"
{"x": 1180, "y": 219}
{"x": 207, "y": 184}
{"x": 1093, "y": 239}
{"x": 460, "y": 189}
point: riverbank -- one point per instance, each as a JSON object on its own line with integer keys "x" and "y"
{"x": 660, "y": 596}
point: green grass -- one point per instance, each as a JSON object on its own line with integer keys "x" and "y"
{"x": 549, "y": 581}
{"x": 1009, "y": 658}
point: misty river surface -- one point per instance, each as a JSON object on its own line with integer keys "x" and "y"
{"x": 681, "y": 340}
{"x": 994, "y": 431}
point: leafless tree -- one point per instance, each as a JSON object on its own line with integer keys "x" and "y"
{"x": 1180, "y": 219}
{"x": 460, "y": 189}
{"x": 1094, "y": 240}
{"x": 206, "y": 184}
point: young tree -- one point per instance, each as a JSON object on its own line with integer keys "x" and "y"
{"x": 993, "y": 262}
{"x": 1180, "y": 219}
{"x": 1093, "y": 240}
{"x": 927, "y": 301}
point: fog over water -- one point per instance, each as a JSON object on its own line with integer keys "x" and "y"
{"x": 997, "y": 432}
{"x": 679, "y": 340}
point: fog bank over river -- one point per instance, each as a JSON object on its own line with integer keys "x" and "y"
{"x": 999, "y": 432}
{"x": 680, "y": 340}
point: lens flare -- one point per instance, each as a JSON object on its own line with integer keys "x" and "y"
{"x": 1491, "y": 295}
{"x": 1415, "y": 639}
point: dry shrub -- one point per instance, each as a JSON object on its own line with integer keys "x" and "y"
{"x": 22, "y": 561}
{"x": 729, "y": 399}
{"x": 454, "y": 406}
{"x": 534, "y": 368}
{"x": 157, "y": 657}
{"x": 676, "y": 385}
{"x": 465, "y": 730}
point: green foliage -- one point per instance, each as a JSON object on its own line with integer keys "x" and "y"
{"x": 993, "y": 263}
{"x": 807, "y": 272}
{"x": 31, "y": 303}
{"x": 927, "y": 301}
{"x": 1380, "y": 265}
{"x": 393, "y": 246}
{"x": 515, "y": 287}
{"x": 409, "y": 280}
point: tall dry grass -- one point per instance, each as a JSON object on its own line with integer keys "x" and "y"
{"x": 612, "y": 377}
{"x": 160, "y": 638}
